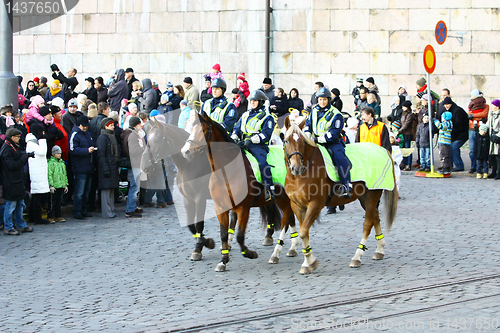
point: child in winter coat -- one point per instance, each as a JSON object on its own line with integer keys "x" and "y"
{"x": 397, "y": 157}
{"x": 482, "y": 152}
{"x": 36, "y": 103}
{"x": 444, "y": 140}
{"x": 424, "y": 144}
{"x": 396, "y": 125}
{"x": 58, "y": 184}
{"x": 6, "y": 119}
{"x": 216, "y": 74}
{"x": 243, "y": 87}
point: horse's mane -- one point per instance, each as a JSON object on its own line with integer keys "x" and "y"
{"x": 219, "y": 127}
{"x": 295, "y": 129}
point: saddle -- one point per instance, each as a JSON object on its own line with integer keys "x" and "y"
{"x": 275, "y": 161}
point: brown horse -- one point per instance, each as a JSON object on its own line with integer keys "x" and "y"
{"x": 233, "y": 185}
{"x": 309, "y": 189}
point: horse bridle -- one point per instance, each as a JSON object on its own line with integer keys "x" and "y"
{"x": 289, "y": 156}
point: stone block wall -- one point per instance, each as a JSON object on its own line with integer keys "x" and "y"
{"x": 334, "y": 41}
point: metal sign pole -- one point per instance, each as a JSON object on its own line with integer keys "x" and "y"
{"x": 8, "y": 81}
{"x": 431, "y": 124}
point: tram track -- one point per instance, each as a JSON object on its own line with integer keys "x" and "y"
{"x": 217, "y": 324}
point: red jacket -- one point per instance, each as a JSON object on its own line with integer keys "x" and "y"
{"x": 63, "y": 143}
{"x": 478, "y": 115}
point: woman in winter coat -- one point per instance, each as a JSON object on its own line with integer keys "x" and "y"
{"x": 38, "y": 170}
{"x": 294, "y": 101}
{"x": 279, "y": 106}
{"x": 494, "y": 126}
{"x": 108, "y": 154}
{"x": 396, "y": 109}
{"x": 31, "y": 90}
{"x": 406, "y": 129}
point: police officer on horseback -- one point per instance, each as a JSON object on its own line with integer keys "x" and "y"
{"x": 255, "y": 129}
{"x": 218, "y": 108}
{"x": 324, "y": 125}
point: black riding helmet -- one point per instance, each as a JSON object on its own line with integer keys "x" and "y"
{"x": 258, "y": 95}
{"x": 323, "y": 92}
{"x": 219, "y": 83}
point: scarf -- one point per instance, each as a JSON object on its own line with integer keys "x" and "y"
{"x": 114, "y": 144}
{"x": 54, "y": 91}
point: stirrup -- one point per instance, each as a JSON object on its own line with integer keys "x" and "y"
{"x": 344, "y": 192}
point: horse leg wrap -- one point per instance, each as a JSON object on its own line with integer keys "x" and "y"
{"x": 230, "y": 234}
{"x": 380, "y": 244}
{"x": 280, "y": 242}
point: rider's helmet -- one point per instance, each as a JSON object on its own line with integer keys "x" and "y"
{"x": 219, "y": 83}
{"x": 258, "y": 95}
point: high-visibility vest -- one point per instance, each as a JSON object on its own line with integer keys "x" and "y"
{"x": 323, "y": 125}
{"x": 253, "y": 125}
{"x": 218, "y": 113}
{"x": 373, "y": 134}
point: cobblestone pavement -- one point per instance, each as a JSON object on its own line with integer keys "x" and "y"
{"x": 134, "y": 275}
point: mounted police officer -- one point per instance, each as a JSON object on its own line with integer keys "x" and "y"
{"x": 218, "y": 108}
{"x": 324, "y": 125}
{"x": 255, "y": 129}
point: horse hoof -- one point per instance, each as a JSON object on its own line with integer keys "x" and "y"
{"x": 220, "y": 267}
{"x": 209, "y": 243}
{"x": 308, "y": 269}
{"x": 291, "y": 253}
{"x": 268, "y": 241}
{"x": 274, "y": 260}
{"x": 378, "y": 256}
{"x": 355, "y": 263}
{"x": 195, "y": 256}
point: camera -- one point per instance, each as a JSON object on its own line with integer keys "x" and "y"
{"x": 54, "y": 68}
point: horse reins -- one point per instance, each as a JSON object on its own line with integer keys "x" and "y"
{"x": 289, "y": 156}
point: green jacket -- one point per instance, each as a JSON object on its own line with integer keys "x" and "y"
{"x": 57, "y": 173}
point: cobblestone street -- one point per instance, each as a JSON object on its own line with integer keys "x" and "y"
{"x": 134, "y": 275}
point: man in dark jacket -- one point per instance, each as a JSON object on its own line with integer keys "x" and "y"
{"x": 12, "y": 160}
{"x": 69, "y": 118}
{"x": 133, "y": 145}
{"x": 130, "y": 78}
{"x": 268, "y": 87}
{"x": 95, "y": 130}
{"x": 68, "y": 83}
{"x": 149, "y": 98}
{"x": 118, "y": 90}
{"x": 102, "y": 91}
{"x": 81, "y": 149}
{"x": 91, "y": 91}
{"x": 459, "y": 133}
{"x": 336, "y": 101}
{"x": 108, "y": 152}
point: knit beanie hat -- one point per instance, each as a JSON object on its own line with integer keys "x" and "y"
{"x": 241, "y": 77}
{"x": 44, "y": 110}
{"x": 267, "y": 80}
{"x": 397, "y": 124}
{"x": 475, "y": 93}
{"x": 496, "y": 103}
{"x": 235, "y": 91}
{"x": 106, "y": 121}
{"x": 188, "y": 80}
{"x": 371, "y": 80}
{"x": 447, "y": 115}
{"x": 37, "y": 130}
{"x": 134, "y": 121}
{"x": 58, "y": 101}
{"x": 54, "y": 109}
{"x": 82, "y": 120}
{"x": 447, "y": 100}
{"x": 336, "y": 92}
{"x": 154, "y": 113}
{"x": 407, "y": 104}
{"x": 425, "y": 97}
{"x": 56, "y": 150}
{"x": 359, "y": 80}
{"x": 216, "y": 67}
{"x": 421, "y": 82}
{"x": 483, "y": 127}
{"x": 169, "y": 84}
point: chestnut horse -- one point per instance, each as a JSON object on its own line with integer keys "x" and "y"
{"x": 309, "y": 189}
{"x": 233, "y": 186}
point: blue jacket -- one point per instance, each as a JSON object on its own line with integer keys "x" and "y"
{"x": 266, "y": 130}
{"x": 333, "y": 134}
{"x": 231, "y": 114}
{"x": 79, "y": 142}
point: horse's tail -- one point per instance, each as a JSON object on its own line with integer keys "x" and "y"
{"x": 271, "y": 215}
{"x": 391, "y": 201}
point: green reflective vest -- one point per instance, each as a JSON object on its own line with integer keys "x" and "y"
{"x": 218, "y": 113}
{"x": 321, "y": 126}
{"x": 253, "y": 125}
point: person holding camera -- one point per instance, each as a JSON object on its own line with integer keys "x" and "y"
{"x": 12, "y": 160}
{"x": 68, "y": 83}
